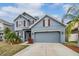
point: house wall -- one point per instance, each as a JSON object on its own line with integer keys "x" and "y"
{"x": 1, "y": 31}
{"x": 54, "y": 26}
{"x": 20, "y": 28}
{"x": 22, "y": 25}
{"x": 9, "y": 26}
{"x": 73, "y": 37}
{"x": 2, "y": 27}
{"x": 29, "y": 18}
{"x": 21, "y": 19}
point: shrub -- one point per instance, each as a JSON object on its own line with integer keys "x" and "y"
{"x": 11, "y": 37}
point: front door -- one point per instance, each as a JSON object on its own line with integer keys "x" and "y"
{"x": 27, "y": 35}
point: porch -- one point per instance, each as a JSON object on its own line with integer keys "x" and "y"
{"x": 24, "y": 34}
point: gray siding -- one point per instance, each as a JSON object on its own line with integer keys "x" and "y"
{"x": 22, "y": 18}
{"x": 22, "y": 25}
{"x": 54, "y": 26}
{"x": 2, "y": 27}
{"x": 26, "y": 18}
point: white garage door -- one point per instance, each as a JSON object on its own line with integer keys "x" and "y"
{"x": 47, "y": 37}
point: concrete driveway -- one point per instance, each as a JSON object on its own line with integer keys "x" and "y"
{"x": 47, "y": 49}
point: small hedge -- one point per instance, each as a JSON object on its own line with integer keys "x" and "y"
{"x": 72, "y": 42}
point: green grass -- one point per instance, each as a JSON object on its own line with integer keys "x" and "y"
{"x": 9, "y": 50}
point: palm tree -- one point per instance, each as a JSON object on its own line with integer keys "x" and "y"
{"x": 11, "y": 37}
{"x": 74, "y": 20}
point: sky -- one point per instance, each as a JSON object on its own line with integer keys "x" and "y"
{"x": 9, "y": 11}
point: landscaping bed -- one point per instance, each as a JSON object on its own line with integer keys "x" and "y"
{"x": 72, "y": 45}
{"x": 9, "y": 50}
{"x": 73, "y": 48}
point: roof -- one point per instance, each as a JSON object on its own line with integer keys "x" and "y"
{"x": 43, "y": 18}
{"x": 5, "y": 22}
{"x": 69, "y": 22}
{"x": 28, "y": 15}
{"x": 18, "y": 17}
{"x": 24, "y": 16}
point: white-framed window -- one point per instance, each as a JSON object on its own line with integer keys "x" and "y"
{"x": 20, "y": 23}
{"x": 46, "y": 22}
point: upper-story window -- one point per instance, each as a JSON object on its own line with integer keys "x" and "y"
{"x": 46, "y": 22}
{"x": 20, "y": 23}
{"x": 24, "y": 23}
{"x": 16, "y": 23}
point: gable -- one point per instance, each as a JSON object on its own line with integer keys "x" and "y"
{"x": 52, "y": 20}
{"x": 20, "y": 17}
{"x": 26, "y": 17}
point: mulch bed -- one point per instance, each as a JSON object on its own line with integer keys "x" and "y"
{"x": 73, "y": 48}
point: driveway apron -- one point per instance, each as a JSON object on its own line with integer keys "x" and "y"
{"x": 47, "y": 49}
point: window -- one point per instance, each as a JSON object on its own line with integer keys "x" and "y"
{"x": 16, "y": 23}
{"x": 46, "y": 22}
{"x": 43, "y": 23}
{"x": 24, "y": 23}
{"x": 20, "y": 24}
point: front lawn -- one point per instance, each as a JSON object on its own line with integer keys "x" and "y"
{"x": 72, "y": 45}
{"x": 9, "y": 50}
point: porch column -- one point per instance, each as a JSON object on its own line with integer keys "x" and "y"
{"x": 23, "y": 36}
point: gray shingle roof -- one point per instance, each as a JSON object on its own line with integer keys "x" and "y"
{"x": 5, "y": 22}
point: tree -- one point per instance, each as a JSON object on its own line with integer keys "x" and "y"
{"x": 11, "y": 37}
{"x": 74, "y": 16}
{"x": 6, "y": 33}
{"x": 7, "y": 30}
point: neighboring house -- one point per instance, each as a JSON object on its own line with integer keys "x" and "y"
{"x": 3, "y": 25}
{"x": 74, "y": 34}
{"x": 47, "y": 29}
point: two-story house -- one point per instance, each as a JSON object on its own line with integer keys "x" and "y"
{"x": 4, "y": 24}
{"x": 46, "y": 29}
{"x": 22, "y": 23}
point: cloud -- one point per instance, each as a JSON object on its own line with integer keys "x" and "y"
{"x": 57, "y": 17}
{"x": 2, "y": 13}
{"x": 33, "y": 9}
{"x": 66, "y": 7}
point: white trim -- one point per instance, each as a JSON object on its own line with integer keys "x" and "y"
{"x": 48, "y": 31}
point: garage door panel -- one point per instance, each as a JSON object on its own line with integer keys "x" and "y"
{"x": 49, "y": 37}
